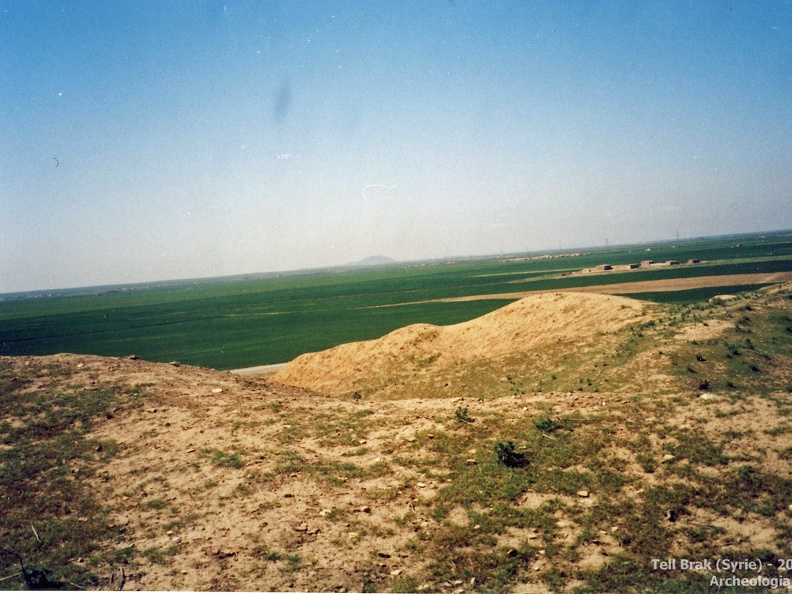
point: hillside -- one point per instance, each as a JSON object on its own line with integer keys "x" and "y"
{"x": 593, "y": 436}
{"x": 373, "y": 261}
{"x": 515, "y": 338}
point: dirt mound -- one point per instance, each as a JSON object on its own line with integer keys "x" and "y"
{"x": 526, "y": 325}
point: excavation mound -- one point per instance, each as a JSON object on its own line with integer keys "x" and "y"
{"x": 525, "y": 325}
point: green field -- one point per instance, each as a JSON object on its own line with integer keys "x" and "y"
{"x": 259, "y": 319}
{"x": 691, "y": 295}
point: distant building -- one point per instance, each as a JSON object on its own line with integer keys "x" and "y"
{"x": 646, "y": 263}
{"x": 632, "y": 266}
{"x": 604, "y": 267}
{"x": 673, "y": 263}
{"x": 694, "y": 261}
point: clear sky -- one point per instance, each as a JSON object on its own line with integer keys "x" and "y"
{"x": 146, "y": 141}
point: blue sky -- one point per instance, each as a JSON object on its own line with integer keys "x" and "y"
{"x": 145, "y": 141}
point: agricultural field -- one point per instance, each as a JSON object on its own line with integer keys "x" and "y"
{"x": 261, "y": 319}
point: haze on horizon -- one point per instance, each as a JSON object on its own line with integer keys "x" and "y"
{"x": 151, "y": 140}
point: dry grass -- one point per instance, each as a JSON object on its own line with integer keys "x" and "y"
{"x": 566, "y": 465}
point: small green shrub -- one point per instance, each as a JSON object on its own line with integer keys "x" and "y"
{"x": 462, "y": 416}
{"x": 507, "y": 454}
{"x": 547, "y": 425}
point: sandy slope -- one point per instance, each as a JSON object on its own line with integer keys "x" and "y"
{"x": 526, "y": 325}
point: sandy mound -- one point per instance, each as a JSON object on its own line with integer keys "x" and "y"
{"x": 522, "y": 326}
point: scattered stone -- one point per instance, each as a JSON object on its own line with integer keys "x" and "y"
{"x": 477, "y": 526}
{"x": 365, "y": 509}
{"x": 707, "y": 396}
{"x": 353, "y": 535}
{"x": 473, "y": 451}
{"x": 288, "y": 494}
{"x": 532, "y": 535}
{"x": 184, "y": 572}
{"x": 191, "y": 450}
{"x": 175, "y": 363}
{"x": 470, "y": 461}
{"x": 668, "y": 457}
{"x": 383, "y": 555}
{"x": 395, "y": 572}
{"x": 224, "y": 554}
{"x": 411, "y": 439}
{"x": 324, "y": 512}
{"x": 377, "y": 460}
{"x": 80, "y": 365}
{"x": 301, "y": 528}
{"x": 362, "y": 442}
{"x": 457, "y": 582}
{"x": 421, "y": 484}
{"x": 133, "y": 358}
{"x": 217, "y": 390}
{"x": 583, "y": 493}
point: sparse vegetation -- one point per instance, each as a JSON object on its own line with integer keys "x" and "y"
{"x": 478, "y": 482}
{"x": 462, "y": 416}
{"x": 506, "y": 452}
{"x": 49, "y": 514}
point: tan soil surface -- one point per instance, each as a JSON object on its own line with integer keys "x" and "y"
{"x": 259, "y": 369}
{"x": 223, "y": 482}
{"x": 534, "y": 322}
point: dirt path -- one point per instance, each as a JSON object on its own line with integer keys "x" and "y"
{"x": 674, "y": 284}
{"x": 258, "y": 369}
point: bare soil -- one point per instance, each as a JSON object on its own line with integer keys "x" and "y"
{"x": 415, "y": 352}
{"x": 226, "y": 482}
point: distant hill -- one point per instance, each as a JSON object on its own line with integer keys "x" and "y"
{"x": 373, "y": 261}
